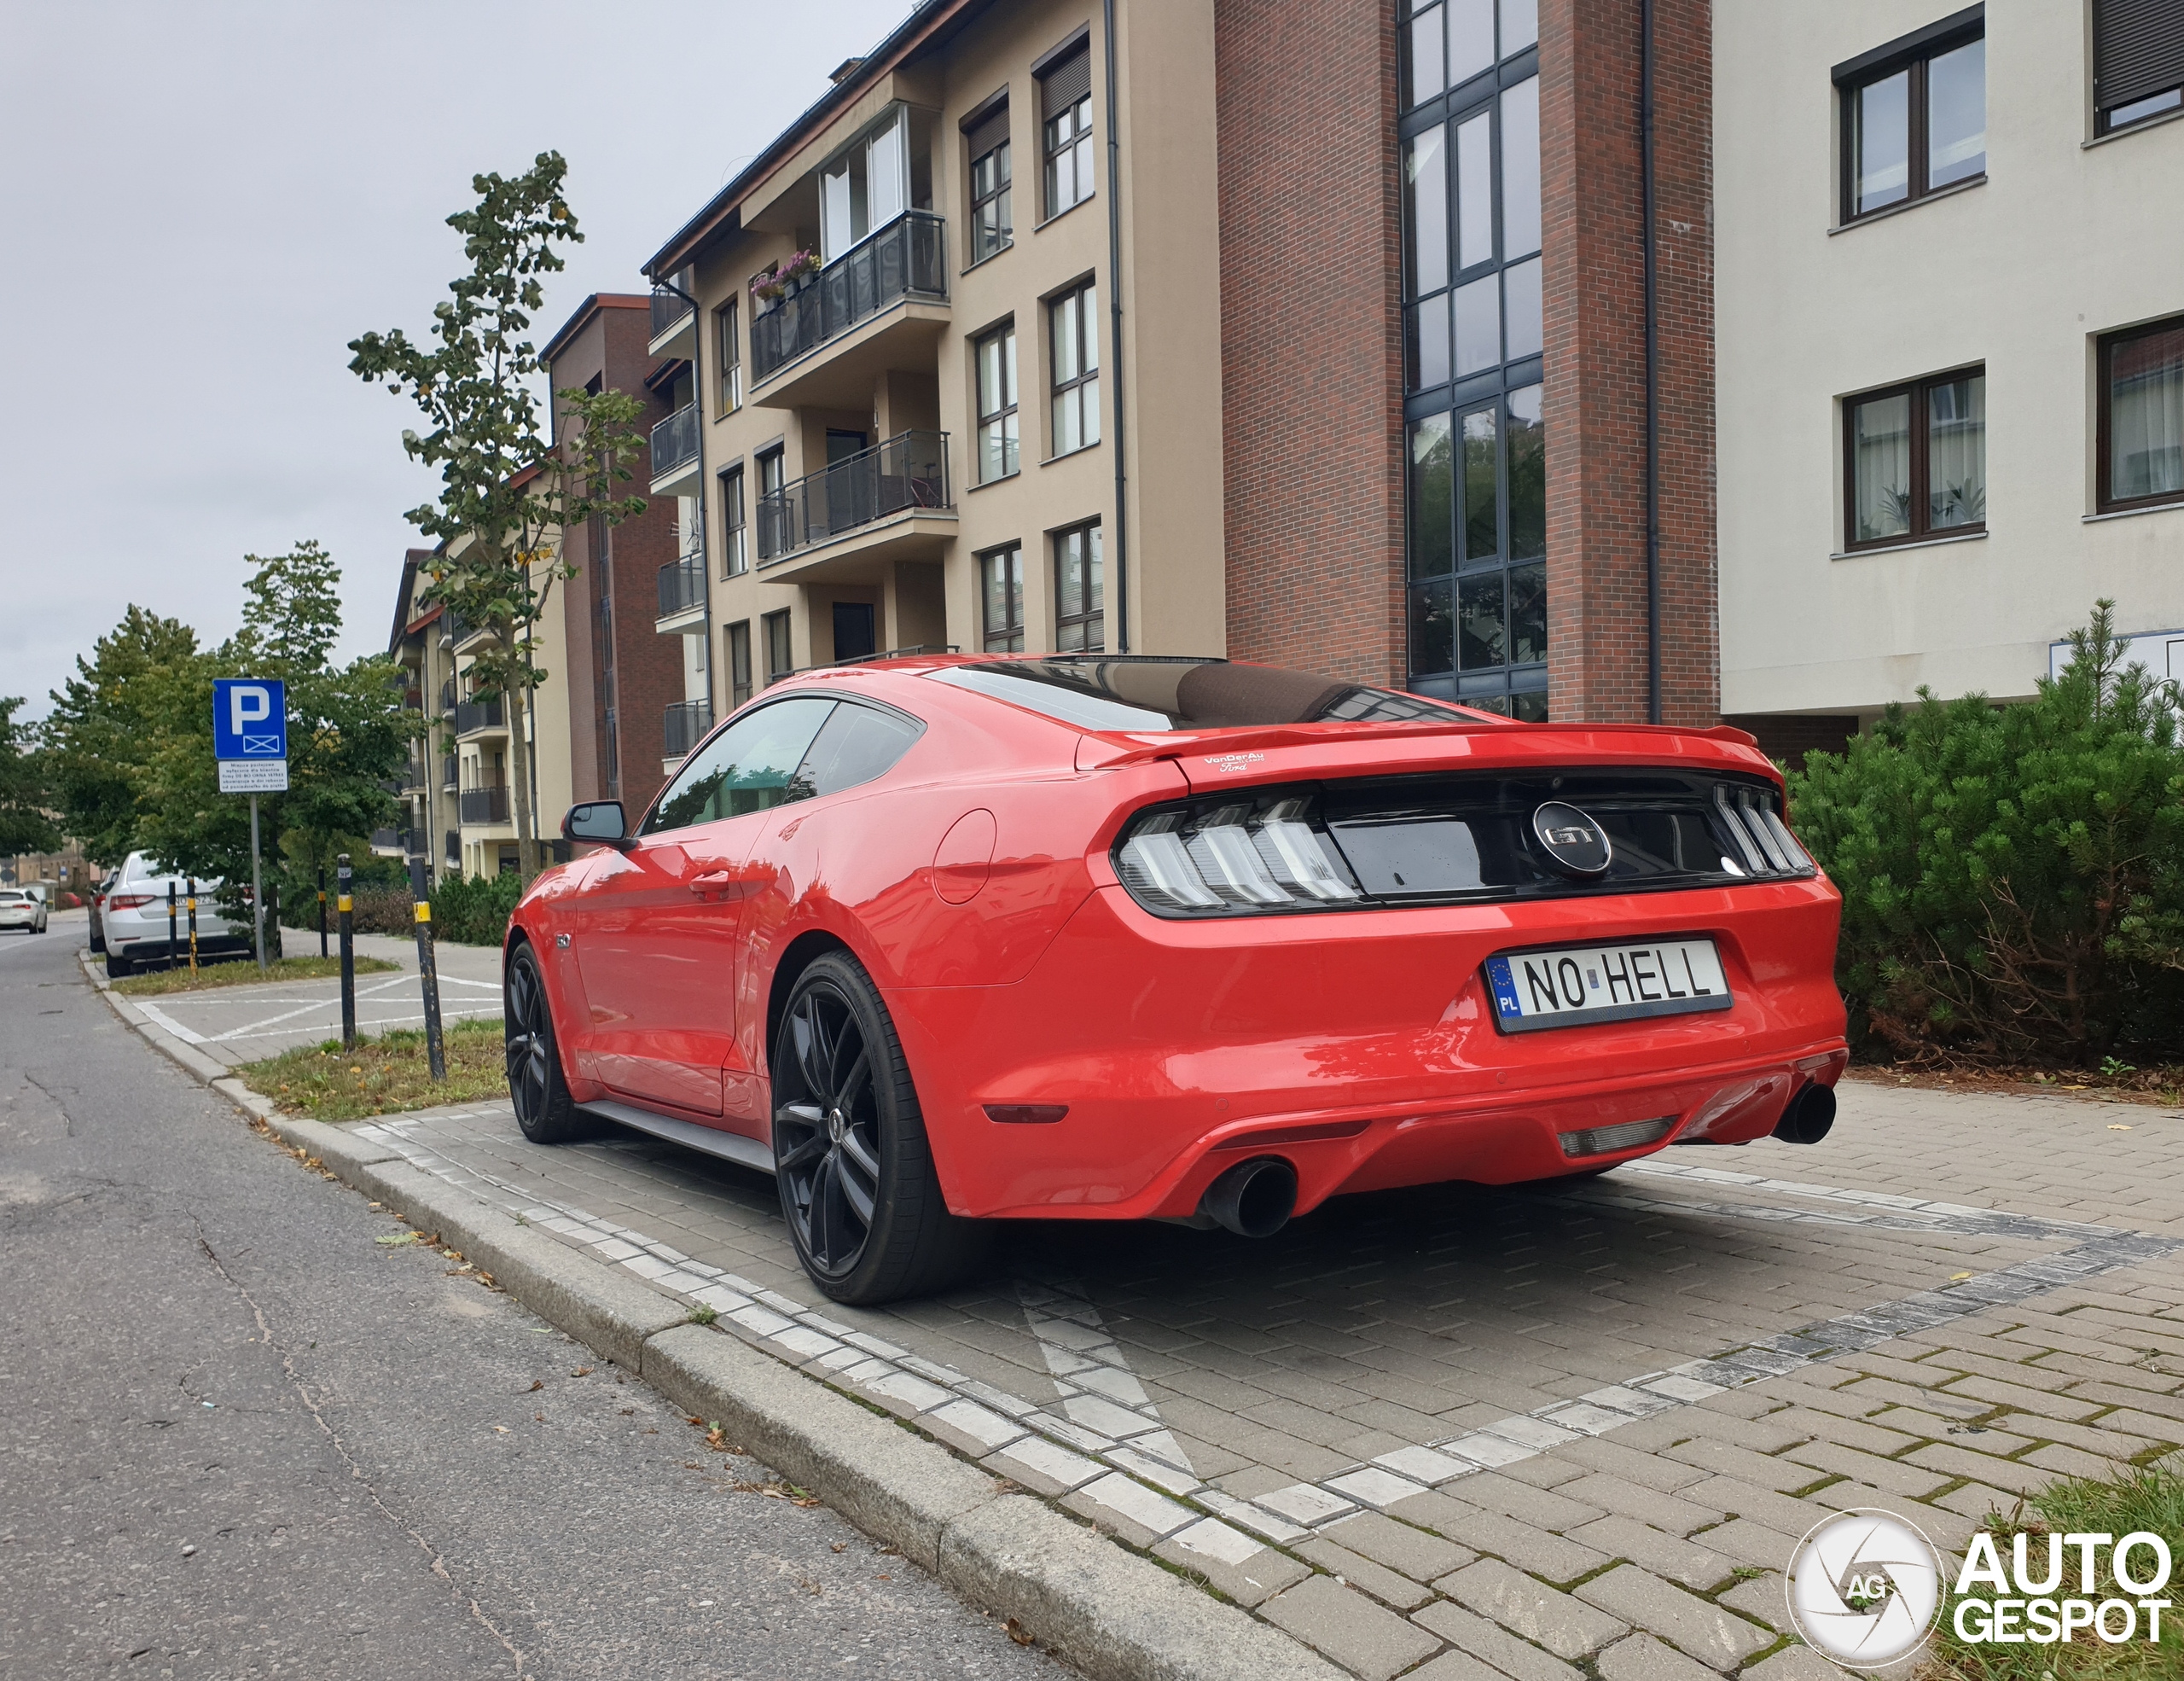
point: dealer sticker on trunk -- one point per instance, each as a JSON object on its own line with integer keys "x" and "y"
{"x": 1569, "y": 986}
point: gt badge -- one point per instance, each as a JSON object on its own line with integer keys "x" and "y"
{"x": 1573, "y": 842}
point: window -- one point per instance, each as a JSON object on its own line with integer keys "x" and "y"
{"x": 1001, "y": 599}
{"x": 855, "y": 630}
{"x": 1473, "y": 276}
{"x": 1073, "y": 339}
{"x": 997, "y": 374}
{"x": 855, "y": 744}
{"x": 750, "y": 766}
{"x": 1477, "y": 533}
{"x": 1446, "y": 43}
{"x": 868, "y": 186}
{"x": 779, "y": 661}
{"x": 731, "y": 359}
{"x": 1474, "y": 332}
{"x": 735, "y": 532}
{"x": 1914, "y": 115}
{"x": 1079, "y": 622}
{"x": 774, "y": 536}
{"x": 1915, "y": 460}
{"x": 992, "y": 228}
{"x": 1065, "y": 102}
{"x": 739, "y": 664}
{"x": 2138, "y": 61}
{"x": 2141, "y": 428}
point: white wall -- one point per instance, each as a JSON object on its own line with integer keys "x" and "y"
{"x": 2064, "y": 241}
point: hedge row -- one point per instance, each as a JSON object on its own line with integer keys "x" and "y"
{"x": 470, "y": 911}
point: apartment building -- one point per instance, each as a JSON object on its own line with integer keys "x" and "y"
{"x": 636, "y": 700}
{"x": 458, "y": 785}
{"x": 1317, "y": 334}
{"x": 1951, "y": 335}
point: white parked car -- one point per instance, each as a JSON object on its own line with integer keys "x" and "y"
{"x": 20, "y": 908}
{"x": 134, "y": 919}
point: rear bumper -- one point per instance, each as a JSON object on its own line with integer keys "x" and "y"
{"x": 145, "y": 950}
{"x": 1360, "y": 1047}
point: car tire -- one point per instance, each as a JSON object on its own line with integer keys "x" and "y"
{"x": 850, "y": 1154}
{"x": 117, "y": 966}
{"x": 543, "y": 1108}
{"x": 98, "y": 942}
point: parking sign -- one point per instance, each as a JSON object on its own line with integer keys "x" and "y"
{"x": 250, "y": 733}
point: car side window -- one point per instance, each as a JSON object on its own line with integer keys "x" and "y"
{"x": 749, "y": 767}
{"x": 856, "y": 744}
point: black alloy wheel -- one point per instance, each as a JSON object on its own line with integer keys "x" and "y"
{"x": 544, "y": 1108}
{"x": 858, "y": 1186}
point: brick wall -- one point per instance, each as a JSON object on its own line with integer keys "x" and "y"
{"x": 648, "y": 667}
{"x": 1310, "y": 346}
{"x": 1592, "y": 184}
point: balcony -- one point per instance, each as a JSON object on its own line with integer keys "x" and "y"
{"x": 683, "y": 725}
{"x": 881, "y": 304}
{"x": 682, "y": 596}
{"x": 412, "y": 780}
{"x": 674, "y": 321}
{"x": 674, "y": 453}
{"x": 484, "y": 805}
{"x": 472, "y": 715}
{"x": 889, "y": 503}
{"x": 448, "y": 773}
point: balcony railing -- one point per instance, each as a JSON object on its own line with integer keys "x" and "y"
{"x": 905, "y": 258}
{"x": 477, "y": 715}
{"x": 484, "y": 805}
{"x": 909, "y": 470}
{"x": 683, "y": 725}
{"x": 448, "y": 772}
{"x": 675, "y": 441}
{"x": 682, "y": 586}
{"x": 668, "y": 308}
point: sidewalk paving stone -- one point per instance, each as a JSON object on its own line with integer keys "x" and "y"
{"x": 1349, "y": 1628}
{"x": 1643, "y": 1658}
{"x": 1554, "y": 1619}
{"x": 1480, "y": 1638}
{"x": 1693, "y": 1626}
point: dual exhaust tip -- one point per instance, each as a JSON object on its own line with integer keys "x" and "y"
{"x": 1253, "y": 1199}
{"x": 1256, "y": 1198}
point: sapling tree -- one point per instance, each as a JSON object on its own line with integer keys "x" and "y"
{"x": 508, "y": 490}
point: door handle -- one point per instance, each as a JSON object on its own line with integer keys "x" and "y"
{"x": 712, "y": 880}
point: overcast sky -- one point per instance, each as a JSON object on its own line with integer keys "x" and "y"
{"x": 205, "y": 202}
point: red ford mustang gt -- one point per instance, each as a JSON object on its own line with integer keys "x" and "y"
{"x": 944, "y": 940}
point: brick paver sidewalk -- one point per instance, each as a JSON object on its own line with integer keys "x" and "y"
{"x": 1465, "y": 1432}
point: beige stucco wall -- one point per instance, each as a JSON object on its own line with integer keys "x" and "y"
{"x": 2064, "y": 241}
{"x": 1172, "y": 376}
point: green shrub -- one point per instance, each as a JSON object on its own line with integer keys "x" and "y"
{"x": 474, "y": 910}
{"x": 2012, "y": 877}
{"x": 380, "y": 908}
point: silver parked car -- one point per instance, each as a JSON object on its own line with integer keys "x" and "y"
{"x": 134, "y": 919}
{"x": 20, "y": 908}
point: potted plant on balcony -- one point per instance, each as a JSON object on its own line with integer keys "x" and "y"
{"x": 771, "y": 285}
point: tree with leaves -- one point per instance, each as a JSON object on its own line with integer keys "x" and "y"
{"x": 507, "y": 491}
{"x": 348, "y": 737}
{"x": 25, "y": 818}
{"x": 105, "y": 723}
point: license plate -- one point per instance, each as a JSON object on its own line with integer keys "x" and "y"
{"x": 1569, "y": 985}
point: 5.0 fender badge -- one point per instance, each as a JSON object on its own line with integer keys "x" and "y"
{"x": 1574, "y": 843}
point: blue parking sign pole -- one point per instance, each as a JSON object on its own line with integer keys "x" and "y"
{"x": 250, "y": 740}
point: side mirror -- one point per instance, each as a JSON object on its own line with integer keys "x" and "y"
{"x": 598, "y": 821}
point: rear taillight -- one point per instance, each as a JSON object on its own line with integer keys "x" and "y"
{"x": 129, "y": 901}
{"x": 1762, "y": 840}
{"x": 1219, "y": 857}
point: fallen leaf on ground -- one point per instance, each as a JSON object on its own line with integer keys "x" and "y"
{"x": 1017, "y": 1632}
{"x": 395, "y": 1240}
{"x": 536, "y": 1383}
{"x": 503, "y": 1429}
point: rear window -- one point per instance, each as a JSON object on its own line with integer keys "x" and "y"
{"x": 10, "y": 896}
{"x": 1149, "y": 694}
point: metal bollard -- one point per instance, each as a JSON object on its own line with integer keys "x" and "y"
{"x": 170, "y": 923}
{"x": 427, "y": 974}
{"x": 192, "y": 928}
{"x": 344, "y": 908}
{"x": 322, "y": 910}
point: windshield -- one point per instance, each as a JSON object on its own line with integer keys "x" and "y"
{"x": 1152, "y": 694}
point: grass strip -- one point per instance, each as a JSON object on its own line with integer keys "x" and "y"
{"x": 382, "y": 1075}
{"x": 241, "y": 972}
{"x": 2147, "y": 1498}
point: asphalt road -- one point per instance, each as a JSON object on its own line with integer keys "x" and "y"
{"x": 242, "y": 1438}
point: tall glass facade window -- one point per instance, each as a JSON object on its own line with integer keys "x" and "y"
{"x": 1474, "y": 335}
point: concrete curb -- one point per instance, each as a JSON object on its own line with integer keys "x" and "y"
{"x": 1104, "y": 1608}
